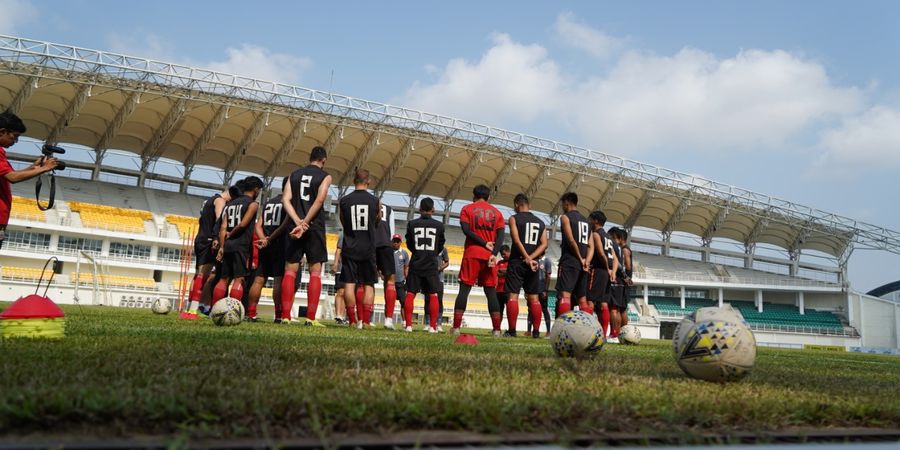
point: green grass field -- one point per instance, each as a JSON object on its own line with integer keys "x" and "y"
{"x": 126, "y": 372}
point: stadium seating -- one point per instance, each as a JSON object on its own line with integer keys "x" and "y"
{"x": 115, "y": 280}
{"x": 187, "y": 226}
{"x": 455, "y": 252}
{"x": 24, "y": 273}
{"x": 110, "y": 217}
{"x": 774, "y": 315}
{"x": 26, "y": 209}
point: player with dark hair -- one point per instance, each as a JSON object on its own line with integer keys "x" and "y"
{"x": 360, "y": 212}
{"x": 11, "y": 127}
{"x": 206, "y": 246}
{"x": 502, "y": 265}
{"x": 603, "y": 269}
{"x": 384, "y": 261}
{"x": 271, "y": 231}
{"x": 576, "y": 245}
{"x": 401, "y": 269}
{"x": 425, "y": 240}
{"x": 303, "y": 200}
{"x": 619, "y": 286}
{"x": 483, "y": 226}
{"x": 529, "y": 241}
{"x": 236, "y": 239}
{"x": 442, "y": 261}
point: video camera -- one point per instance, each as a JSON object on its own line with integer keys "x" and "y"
{"x": 49, "y": 150}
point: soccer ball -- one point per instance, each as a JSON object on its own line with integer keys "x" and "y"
{"x": 715, "y": 344}
{"x": 630, "y": 334}
{"x": 161, "y": 306}
{"x": 227, "y": 312}
{"x": 576, "y": 334}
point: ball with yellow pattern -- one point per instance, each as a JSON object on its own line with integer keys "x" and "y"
{"x": 576, "y": 334}
{"x": 715, "y": 344}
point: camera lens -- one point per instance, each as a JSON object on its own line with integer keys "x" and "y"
{"x": 61, "y": 165}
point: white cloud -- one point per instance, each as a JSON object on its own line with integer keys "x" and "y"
{"x": 697, "y": 101}
{"x": 870, "y": 140}
{"x": 246, "y": 60}
{"x": 578, "y": 35}
{"x": 15, "y": 14}
{"x": 258, "y": 62}
{"x": 691, "y": 101}
{"x": 512, "y": 81}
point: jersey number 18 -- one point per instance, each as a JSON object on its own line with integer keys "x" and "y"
{"x": 359, "y": 217}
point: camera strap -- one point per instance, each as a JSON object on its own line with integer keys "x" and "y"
{"x": 37, "y": 192}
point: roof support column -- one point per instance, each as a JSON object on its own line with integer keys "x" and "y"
{"x": 358, "y": 161}
{"x": 112, "y": 130}
{"x": 162, "y": 137}
{"x": 759, "y": 300}
{"x": 800, "y": 303}
{"x": 208, "y": 134}
{"x": 72, "y": 109}
{"x": 405, "y": 150}
{"x": 250, "y": 138}
{"x": 749, "y": 253}
{"x": 23, "y": 95}
{"x": 682, "y": 297}
{"x": 721, "y": 297}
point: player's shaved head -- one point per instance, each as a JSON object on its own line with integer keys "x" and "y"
{"x": 361, "y": 177}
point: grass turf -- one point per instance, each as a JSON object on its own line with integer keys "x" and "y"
{"x": 123, "y": 372}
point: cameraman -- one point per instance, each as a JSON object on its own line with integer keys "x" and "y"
{"x": 11, "y": 127}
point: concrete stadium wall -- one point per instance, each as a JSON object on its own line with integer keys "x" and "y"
{"x": 878, "y": 320}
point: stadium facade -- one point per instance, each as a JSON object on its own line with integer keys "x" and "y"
{"x": 697, "y": 242}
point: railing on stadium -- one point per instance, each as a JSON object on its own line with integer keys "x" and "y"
{"x": 658, "y": 274}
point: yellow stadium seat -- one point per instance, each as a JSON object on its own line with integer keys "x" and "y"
{"x": 455, "y": 252}
{"x": 110, "y": 217}
{"x": 331, "y": 241}
{"x": 116, "y": 280}
{"x": 26, "y": 209}
{"x": 266, "y": 292}
{"x": 187, "y": 226}
{"x": 24, "y": 273}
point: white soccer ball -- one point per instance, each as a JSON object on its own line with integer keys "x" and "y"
{"x": 576, "y": 334}
{"x": 630, "y": 334}
{"x": 715, "y": 344}
{"x": 161, "y": 306}
{"x": 227, "y": 312}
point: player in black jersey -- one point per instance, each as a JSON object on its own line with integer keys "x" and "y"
{"x": 619, "y": 287}
{"x": 303, "y": 199}
{"x": 236, "y": 239}
{"x": 425, "y": 240}
{"x": 576, "y": 245}
{"x": 384, "y": 261}
{"x": 529, "y": 241}
{"x": 271, "y": 231}
{"x": 360, "y": 212}
{"x": 341, "y": 316}
{"x": 205, "y": 247}
{"x": 603, "y": 269}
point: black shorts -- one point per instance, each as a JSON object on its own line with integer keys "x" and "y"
{"x": 618, "y": 296}
{"x": 571, "y": 278}
{"x": 360, "y": 271}
{"x": 203, "y": 253}
{"x": 235, "y": 265}
{"x": 519, "y": 276}
{"x": 384, "y": 260}
{"x": 427, "y": 283}
{"x": 311, "y": 245}
{"x": 338, "y": 284}
{"x": 271, "y": 260}
{"x": 598, "y": 285}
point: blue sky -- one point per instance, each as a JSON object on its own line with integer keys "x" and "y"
{"x": 799, "y": 100}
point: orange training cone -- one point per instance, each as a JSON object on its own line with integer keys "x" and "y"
{"x": 35, "y": 317}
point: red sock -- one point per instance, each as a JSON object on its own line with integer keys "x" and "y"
{"x": 535, "y": 316}
{"x": 251, "y": 308}
{"x": 408, "y": 308}
{"x": 390, "y": 300}
{"x": 433, "y": 310}
{"x": 368, "y": 310}
{"x": 313, "y": 291}
{"x": 288, "y": 283}
{"x": 351, "y": 313}
{"x": 197, "y": 288}
{"x": 359, "y": 294}
{"x": 496, "y": 319}
{"x": 604, "y": 318}
{"x": 586, "y": 306}
{"x": 237, "y": 290}
{"x": 219, "y": 291}
{"x": 565, "y": 305}
{"x": 614, "y": 332}
{"x": 457, "y": 319}
{"x": 512, "y": 313}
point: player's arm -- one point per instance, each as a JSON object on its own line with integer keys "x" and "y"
{"x": 516, "y": 240}
{"x": 615, "y": 268}
{"x": 445, "y": 260}
{"x": 320, "y": 200}
{"x": 219, "y": 207}
{"x": 280, "y": 231}
{"x": 548, "y": 272}
{"x": 405, "y": 264}
{"x": 626, "y": 255}
{"x": 379, "y": 217}
{"x": 40, "y": 166}
{"x": 245, "y": 221}
{"x": 220, "y": 242}
{"x": 500, "y": 234}
{"x": 288, "y": 205}
{"x": 542, "y": 246}
{"x": 337, "y": 260}
{"x": 261, "y": 239}
{"x": 569, "y": 237}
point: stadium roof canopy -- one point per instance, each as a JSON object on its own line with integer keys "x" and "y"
{"x": 161, "y": 110}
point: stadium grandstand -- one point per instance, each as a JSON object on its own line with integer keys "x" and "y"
{"x": 148, "y": 141}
